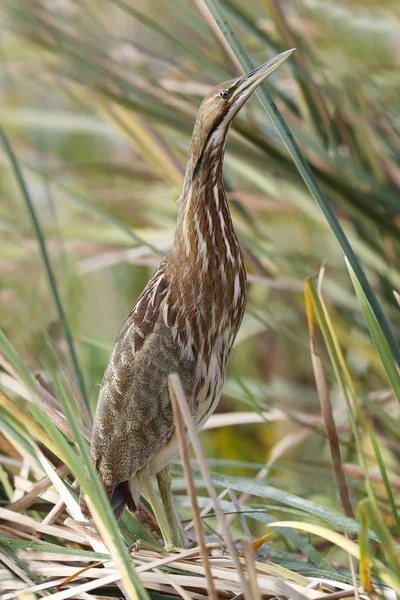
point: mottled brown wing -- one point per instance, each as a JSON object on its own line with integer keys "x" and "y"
{"x": 134, "y": 418}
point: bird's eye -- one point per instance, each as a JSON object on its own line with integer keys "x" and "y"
{"x": 224, "y": 94}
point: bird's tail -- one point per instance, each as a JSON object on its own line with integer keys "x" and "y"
{"x": 118, "y": 497}
{"x": 122, "y": 496}
{"x": 126, "y": 494}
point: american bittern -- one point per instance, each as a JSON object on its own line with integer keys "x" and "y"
{"x": 185, "y": 321}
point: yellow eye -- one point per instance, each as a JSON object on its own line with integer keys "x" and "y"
{"x": 224, "y": 94}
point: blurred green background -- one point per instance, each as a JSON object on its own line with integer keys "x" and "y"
{"x": 99, "y": 100}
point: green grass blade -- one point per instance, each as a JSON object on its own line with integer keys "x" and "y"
{"x": 354, "y": 410}
{"x": 185, "y": 49}
{"x": 5, "y": 482}
{"x": 311, "y": 509}
{"x": 389, "y": 576}
{"x": 306, "y": 173}
{"x": 46, "y": 261}
{"x": 52, "y": 548}
{"x": 313, "y": 100}
{"x": 12, "y": 356}
{"x": 265, "y": 38}
{"x": 299, "y": 542}
{"x": 248, "y": 23}
{"x": 375, "y": 329}
{"x": 331, "y": 517}
{"x": 13, "y": 430}
{"x": 364, "y": 545}
{"x": 262, "y": 516}
{"x": 22, "y": 565}
{"x": 385, "y": 478}
{"x": 390, "y": 548}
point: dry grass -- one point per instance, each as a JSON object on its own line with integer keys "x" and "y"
{"x": 226, "y": 571}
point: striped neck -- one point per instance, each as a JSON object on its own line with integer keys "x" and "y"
{"x": 204, "y": 229}
{"x": 205, "y": 270}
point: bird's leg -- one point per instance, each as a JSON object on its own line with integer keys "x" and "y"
{"x": 164, "y": 485}
{"x": 167, "y": 530}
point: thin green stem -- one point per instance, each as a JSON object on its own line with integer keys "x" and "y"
{"x": 46, "y": 261}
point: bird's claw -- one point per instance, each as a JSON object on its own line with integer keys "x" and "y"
{"x": 209, "y": 547}
{"x": 143, "y": 545}
{"x": 176, "y": 550}
{"x": 173, "y": 549}
{"x": 167, "y": 549}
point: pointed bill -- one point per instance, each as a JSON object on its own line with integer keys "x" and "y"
{"x": 248, "y": 83}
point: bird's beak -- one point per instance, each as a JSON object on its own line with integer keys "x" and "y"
{"x": 248, "y": 83}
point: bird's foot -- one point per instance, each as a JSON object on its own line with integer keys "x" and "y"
{"x": 143, "y": 545}
{"x": 168, "y": 548}
{"x": 171, "y": 549}
{"x": 209, "y": 546}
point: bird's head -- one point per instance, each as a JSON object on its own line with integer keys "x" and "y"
{"x": 223, "y": 103}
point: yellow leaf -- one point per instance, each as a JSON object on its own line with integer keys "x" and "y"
{"x": 29, "y": 424}
{"x": 258, "y": 543}
{"x": 339, "y": 540}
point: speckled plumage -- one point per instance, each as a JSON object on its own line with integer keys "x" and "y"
{"x": 184, "y": 322}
